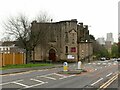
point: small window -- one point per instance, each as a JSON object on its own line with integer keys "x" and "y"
{"x": 8, "y": 48}
{"x": 1, "y": 49}
{"x": 66, "y": 49}
{"x": 5, "y": 48}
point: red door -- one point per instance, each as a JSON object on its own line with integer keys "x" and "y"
{"x": 52, "y": 55}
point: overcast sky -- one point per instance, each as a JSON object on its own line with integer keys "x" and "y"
{"x": 100, "y": 15}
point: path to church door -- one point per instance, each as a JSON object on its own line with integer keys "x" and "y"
{"x": 52, "y": 55}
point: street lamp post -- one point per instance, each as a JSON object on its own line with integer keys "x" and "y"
{"x": 119, "y": 44}
{"x": 78, "y": 52}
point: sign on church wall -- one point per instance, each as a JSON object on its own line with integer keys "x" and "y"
{"x": 70, "y": 57}
{"x": 73, "y": 49}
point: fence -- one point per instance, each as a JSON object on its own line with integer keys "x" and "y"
{"x": 11, "y": 58}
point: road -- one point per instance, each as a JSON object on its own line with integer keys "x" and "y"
{"x": 116, "y": 82}
{"x": 98, "y": 76}
{"x": 113, "y": 84}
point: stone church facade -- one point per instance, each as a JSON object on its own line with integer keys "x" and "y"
{"x": 64, "y": 40}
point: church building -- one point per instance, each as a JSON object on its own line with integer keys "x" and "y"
{"x": 63, "y": 41}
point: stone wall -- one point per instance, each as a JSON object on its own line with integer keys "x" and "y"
{"x": 85, "y": 51}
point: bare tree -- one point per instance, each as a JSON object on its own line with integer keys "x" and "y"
{"x": 19, "y": 28}
{"x": 5, "y": 38}
{"x": 43, "y": 17}
{"x": 118, "y": 44}
{"x": 26, "y": 34}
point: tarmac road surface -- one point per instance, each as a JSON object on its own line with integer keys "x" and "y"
{"x": 98, "y": 73}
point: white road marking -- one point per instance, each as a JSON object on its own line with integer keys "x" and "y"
{"x": 71, "y": 76}
{"x": 36, "y": 85}
{"x": 36, "y": 80}
{"x": 59, "y": 74}
{"x": 109, "y": 74}
{"x": 20, "y": 84}
{"x": 66, "y": 76}
{"x": 10, "y": 82}
{"x": 48, "y": 77}
{"x": 96, "y": 81}
{"x": 94, "y": 63}
{"x": 48, "y": 74}
{"x": 106, "y": 84}
{"x": 63, "y": 77}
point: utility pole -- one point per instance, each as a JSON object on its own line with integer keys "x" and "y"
{"x": 119, "y": 45}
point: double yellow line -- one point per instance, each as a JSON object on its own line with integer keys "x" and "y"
{"x": 106, "y": 84}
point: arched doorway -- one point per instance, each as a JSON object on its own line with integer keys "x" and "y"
{"x": 52, "y": 55}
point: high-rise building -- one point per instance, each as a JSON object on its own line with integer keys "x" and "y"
{"x": 110, "y": 38}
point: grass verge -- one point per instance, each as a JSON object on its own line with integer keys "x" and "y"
{"x": 25, "y": 66}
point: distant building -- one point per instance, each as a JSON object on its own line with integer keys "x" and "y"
{"x": 101, "y": 41}
{"x": 11, "y": 54}
{"x": 110, "y": 38}
{"x": 109, "y": 42}
{"x": 9, "y": 47}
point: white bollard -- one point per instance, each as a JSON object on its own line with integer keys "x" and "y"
{"x": 79, "y": 64}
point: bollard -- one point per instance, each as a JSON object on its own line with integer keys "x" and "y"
{"x": 79, "y": 64}
{"x": 65, "y": 66}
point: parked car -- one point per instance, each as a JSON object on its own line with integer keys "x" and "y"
{"x": 102, "y": 58}
{"x": 107, "y": 58}
{"x": 118, "y": 59}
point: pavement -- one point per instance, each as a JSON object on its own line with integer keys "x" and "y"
{"x": 18, "y": 70}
